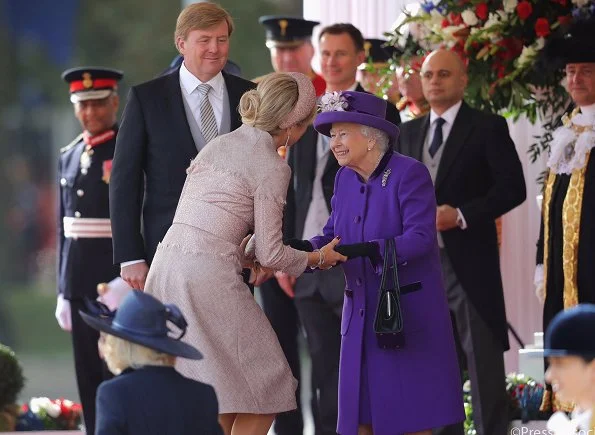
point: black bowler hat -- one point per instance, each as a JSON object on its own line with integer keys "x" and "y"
{"x": 571, "y": 332}
{"x": 378, "y": 54}
{"x": 282, "y": 31}
{"x": 91, "y": 82}
{"x": 142, "y": 319}
{"x": 570, "y": 44}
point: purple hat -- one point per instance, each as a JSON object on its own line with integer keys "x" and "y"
{"x": 356, "y": 107}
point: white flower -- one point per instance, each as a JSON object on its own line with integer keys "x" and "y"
{"x": 510, "y": 5}
{"x": 469, "y": 17}
{"x": 495, "y": 18}
{"x": 539, "y": 43}
{"x": 36, "y": 404}
{"x": 332, "y": 102}
{"x": 53, "y": 410}
{"x": 527, "y": 55}
{"x": 581, "y": 3}
{"x": 467, "y": 386}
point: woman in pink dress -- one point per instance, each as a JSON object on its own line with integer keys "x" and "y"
{"x": 236, "y": 185}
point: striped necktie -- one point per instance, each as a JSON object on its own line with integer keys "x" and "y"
{"x": 208, "y": 122}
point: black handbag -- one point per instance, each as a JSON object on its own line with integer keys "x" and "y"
{"x": 388, "y": 322}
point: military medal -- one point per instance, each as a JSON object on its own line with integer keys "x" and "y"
{"x": 86, "y": 159}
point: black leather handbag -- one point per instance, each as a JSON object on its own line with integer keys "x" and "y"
{"x": 388, "y": 322}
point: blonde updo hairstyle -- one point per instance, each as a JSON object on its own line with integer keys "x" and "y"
{"x": 279, "y": 101}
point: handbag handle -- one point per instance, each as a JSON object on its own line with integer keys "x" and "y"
{"x": 390, "y": 251}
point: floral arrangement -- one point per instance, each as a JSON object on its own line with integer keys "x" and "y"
{"x": 42, "y": 413}
{"x": 525, "y": 395}
{"x": 500, "y": 42}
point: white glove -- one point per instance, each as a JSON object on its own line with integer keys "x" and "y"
{"x": 538, "y": 283}
{"x": 112, "y": 293}
{"x": 63, "y": 315}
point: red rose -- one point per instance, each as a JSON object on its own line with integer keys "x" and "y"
{"x": 456, "y": 19}
{"x": 481, "y": 10}
{"x": 542, "y": 27}
{"x": 445, "y": 23}
{"x": 524, "y": 9}
{"x": 564, "y": 20}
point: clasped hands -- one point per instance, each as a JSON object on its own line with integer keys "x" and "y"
{"x": 324, "y": 258}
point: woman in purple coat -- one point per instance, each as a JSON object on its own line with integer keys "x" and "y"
{"x": 380, "y": 194}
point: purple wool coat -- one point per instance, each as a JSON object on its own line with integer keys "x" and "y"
{"x": 418, "y": 386}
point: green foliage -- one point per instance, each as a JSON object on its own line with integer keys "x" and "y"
{"x": 12, "y": 380}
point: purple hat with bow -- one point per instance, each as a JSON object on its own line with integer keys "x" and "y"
{"x": 355, "y": 107}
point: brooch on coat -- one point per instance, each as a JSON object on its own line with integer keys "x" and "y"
{"x": 385, "y": 177}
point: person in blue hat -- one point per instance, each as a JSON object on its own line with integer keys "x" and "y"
{"x": 84, "y": 230}
{"x": 570, "y": 349}
{"x": 148, "y": 396}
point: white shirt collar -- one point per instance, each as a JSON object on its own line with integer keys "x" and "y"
{"x": 190, "y": 82}
{"x": 588, "y": 110}
{"x": 449, "y": 116}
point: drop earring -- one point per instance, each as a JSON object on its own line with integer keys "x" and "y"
{"x": 287, "y": 141}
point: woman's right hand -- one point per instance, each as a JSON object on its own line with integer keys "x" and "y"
{"x": 330, "y": 256}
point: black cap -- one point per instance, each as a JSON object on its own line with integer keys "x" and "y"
{"x": 282, "y": 31}
{"x": 91, "y": 82}
{"x": 571, "y": 333}
{"x": 378, "y": 53}
{"x": 572, "y": 44}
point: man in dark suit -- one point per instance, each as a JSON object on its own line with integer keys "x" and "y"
{"x": 319, "y": 296}
{"x": 84, "y": 234}
{"x": 167, "y": 121}
{"x": 478, "y": 177}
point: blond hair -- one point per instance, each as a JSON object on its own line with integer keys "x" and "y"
{"x": 201, "y": 16}
{"x": 267, "y": 106}
{"x": 120, "y": 354}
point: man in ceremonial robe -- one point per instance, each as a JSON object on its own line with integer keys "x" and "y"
{"x": 565, "y": 273}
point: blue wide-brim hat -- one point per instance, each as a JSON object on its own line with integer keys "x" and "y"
{"x": 355, "y": 107}
{"x": 570, "y": 333}
{"x": 142, "y": 319}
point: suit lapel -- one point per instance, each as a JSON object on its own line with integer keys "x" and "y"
{"x": 234, "y": 95}
{"x": 456, "y": 140}
{"x": 177, "y": 113}
{"x": 417, "y": 143}
{"x": 307, "y": 155}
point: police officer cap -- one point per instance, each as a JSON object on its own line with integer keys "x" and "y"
{"x": 378, "y": 53}
{"x": 282, "y": 31}
{"x": 91, "y": 83}
{"x": 571, "y": 332}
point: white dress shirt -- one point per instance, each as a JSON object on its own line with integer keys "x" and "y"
{"x": 189, "y": 83}
{"x": 449, "y": 118}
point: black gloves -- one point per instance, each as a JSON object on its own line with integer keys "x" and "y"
{"x": 354, "y": 250}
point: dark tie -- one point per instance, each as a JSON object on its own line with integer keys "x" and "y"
{"x": 437, "y": 139}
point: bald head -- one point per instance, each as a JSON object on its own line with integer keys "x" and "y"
{"x": 444, "y": 79}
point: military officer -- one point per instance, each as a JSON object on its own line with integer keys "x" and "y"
{"x": 289, "y": 40}
{"x": 85, "y": 256}
{"x": 376, "y": 73}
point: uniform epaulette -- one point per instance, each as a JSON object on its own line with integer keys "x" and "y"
{"x": 71, "y": 144}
